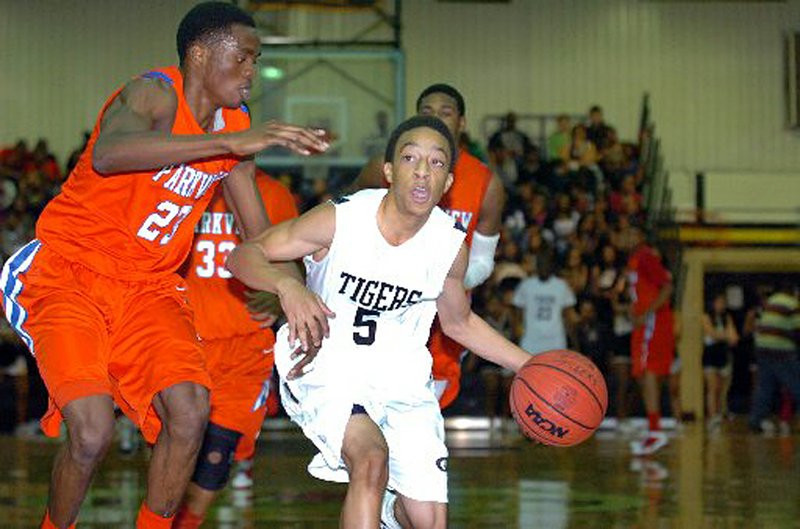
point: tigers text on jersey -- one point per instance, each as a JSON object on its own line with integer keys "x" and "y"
{"x": 138, "y": 224}
{"x": 384, "y": 297}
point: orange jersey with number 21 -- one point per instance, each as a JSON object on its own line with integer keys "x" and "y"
{"x": 137, "y": 225}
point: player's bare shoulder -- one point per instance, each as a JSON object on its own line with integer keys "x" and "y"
{"x": 150, "y": 100}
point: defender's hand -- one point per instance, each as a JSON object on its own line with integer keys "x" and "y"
{"x": 301, "y": 140}
{"x": 306, "y": 357}
{"x": 264, "y": 307}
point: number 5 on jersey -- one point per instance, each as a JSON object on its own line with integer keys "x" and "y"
{"x": 366, "y": 321}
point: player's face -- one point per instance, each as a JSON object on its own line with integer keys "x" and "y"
{"x": 420, "y": 173}
{"x": 445, "y": 108}
{"x": 232, "y": 66}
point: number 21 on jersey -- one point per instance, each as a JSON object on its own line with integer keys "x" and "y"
{"x": 158, "y": 223}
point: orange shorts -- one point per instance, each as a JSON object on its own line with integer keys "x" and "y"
{"x": 97, "y": 335}
{"x": 653, "y": 345}
{"x": 240, "y": 369}
{"x": 447, "y": 355}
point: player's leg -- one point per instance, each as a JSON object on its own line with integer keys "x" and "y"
{"x": 766, "y": 385}
{"x": 183, "y": 409}
{"x": 652, "y": 403}
{"x": 418, "y": 466}
{"x": 789, "y": 377}
{"x": 241, "y": 374}
{"x": 210, "y": 476}
{"x": 652, "y": 353}
{"x": 712, "y": 380}
{"x": 366, "y": 455}
{"x": 90, "y": 430}
{"x": 161, "y": 384}
{"x": 420, "y": 514}
{"x": 726, "y": 379}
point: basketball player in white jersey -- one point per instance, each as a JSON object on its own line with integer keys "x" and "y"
{"x": 384, "y": 262}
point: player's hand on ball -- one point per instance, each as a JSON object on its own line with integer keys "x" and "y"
{"x": 264, "y": 307}
{"x": 306, "y": 314}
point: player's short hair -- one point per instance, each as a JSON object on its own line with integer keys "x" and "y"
{"x": 446, "y": 89}
{"x": 207, "y": 22}
{"x": 416, "y": 122}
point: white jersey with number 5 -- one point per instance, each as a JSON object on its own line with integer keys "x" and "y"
{"x": 384, "y": 298}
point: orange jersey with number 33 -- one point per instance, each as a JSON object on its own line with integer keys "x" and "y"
{"x": 217, "y": 298}
{"x": 138, "y": 225}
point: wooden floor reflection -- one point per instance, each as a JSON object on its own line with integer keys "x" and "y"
{"x": 732, "y": 479}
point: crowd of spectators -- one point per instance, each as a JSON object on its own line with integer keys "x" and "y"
{"x": 572, "y": 205}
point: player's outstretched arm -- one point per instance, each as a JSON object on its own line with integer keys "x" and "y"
{"x": 135, "y": 133}
{"x": 467, "y": 328}
{"x": 254, "y": 262}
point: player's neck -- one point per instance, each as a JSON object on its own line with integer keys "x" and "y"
{"x": 203, "y": 109}
{"x": 395, "y": 226}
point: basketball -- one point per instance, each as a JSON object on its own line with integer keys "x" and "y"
{"x": 558, "y": 398}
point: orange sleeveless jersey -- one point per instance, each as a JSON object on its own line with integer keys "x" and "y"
{"x": 463, "y": 200}
{"x": 217, "y": 299}
{"x": 137, "y": 225}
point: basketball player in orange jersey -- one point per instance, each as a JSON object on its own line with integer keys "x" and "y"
{"x": 96, "y": 298}
{"x": 238, "y": 351}
{"x": 476, "y": 200}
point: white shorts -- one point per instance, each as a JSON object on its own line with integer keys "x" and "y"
{"x": 412, "y": 426}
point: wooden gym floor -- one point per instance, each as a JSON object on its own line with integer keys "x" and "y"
{"x": 729, "y": 479}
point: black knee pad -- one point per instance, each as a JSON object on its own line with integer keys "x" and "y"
{"x": 215, "y": 458}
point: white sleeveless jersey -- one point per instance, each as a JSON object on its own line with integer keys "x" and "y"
{"x": 384, "y": 298}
